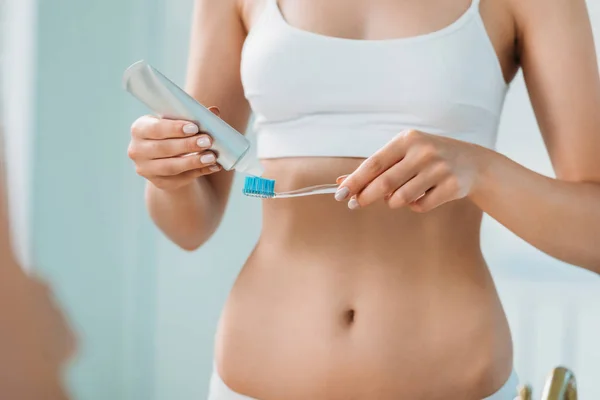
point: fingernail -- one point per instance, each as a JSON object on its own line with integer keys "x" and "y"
{"x": 190, "y": 129}
{"x": 353, "y": 204}
{"x": 203, "y": 142}
{"x": 342, "y": 193}
{"x": 207, "y": 159}
{"x": 215, "y": 168}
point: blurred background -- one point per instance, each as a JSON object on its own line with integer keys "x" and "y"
{"x": 146, "y": 311}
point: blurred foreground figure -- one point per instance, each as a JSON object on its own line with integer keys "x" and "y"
{"x": 35, "y": 341}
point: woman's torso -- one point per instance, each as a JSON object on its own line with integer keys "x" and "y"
{"x": 375, "y": 303}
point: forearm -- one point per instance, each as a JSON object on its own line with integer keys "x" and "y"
{"x": 560, "y": 218}
{"x": 188, "y": 216}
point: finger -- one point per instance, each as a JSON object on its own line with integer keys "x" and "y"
{"x": 372, "y": 167}
{"x": 416, "y": 187}
{"x": 353, "y": 203}
{"x": 155, "y": 149}
{"x": 432, "y": 199}
{"x": 215, "y": 110}
{"x": 177, "y": 165}
{"x": 149, "y": 127}
{"x": 339, "y": 180}
{"x": 388, "y": 182}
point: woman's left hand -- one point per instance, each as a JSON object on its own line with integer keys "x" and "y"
{"x": 417, "y": 170}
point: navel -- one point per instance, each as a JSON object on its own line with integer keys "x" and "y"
{"x": 349, "y": 316}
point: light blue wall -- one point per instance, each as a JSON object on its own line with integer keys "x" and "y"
{"x": 91, "y": 236}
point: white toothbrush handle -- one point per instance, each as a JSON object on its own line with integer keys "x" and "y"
{"x": 308, "y": 191}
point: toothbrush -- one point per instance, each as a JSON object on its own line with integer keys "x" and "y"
{"x": 265, "y": 188}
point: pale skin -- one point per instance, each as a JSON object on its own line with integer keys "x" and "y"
{"x": 389, "y": 297}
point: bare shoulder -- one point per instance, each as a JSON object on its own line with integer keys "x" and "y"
{"x": 547, "y": 28}
{"x": 532, "y": 14}
{"x": 538, "y": 9}
{"x": 212, "y": 5}
{"x": 560, "y": 66}
{"x": 245, "y": 11}
{"x": 218, "y": 11}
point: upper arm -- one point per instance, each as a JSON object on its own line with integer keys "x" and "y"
{"x": 213, "y": 79}
{"x": 561, "y": 72}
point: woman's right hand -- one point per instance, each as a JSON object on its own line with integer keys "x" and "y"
{"x": 160, "y": 149}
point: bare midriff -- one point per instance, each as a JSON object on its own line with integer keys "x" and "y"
{"x": 367, "y": 304}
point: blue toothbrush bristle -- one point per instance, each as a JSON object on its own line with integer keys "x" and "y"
{"x": 259, "y": 187}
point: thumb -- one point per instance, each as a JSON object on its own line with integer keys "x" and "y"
{"x": 215, "y": 110}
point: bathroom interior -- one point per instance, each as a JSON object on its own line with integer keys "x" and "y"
{"x": 145, "y": 311}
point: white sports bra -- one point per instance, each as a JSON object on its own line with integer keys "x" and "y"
{"x": 317, "y": 95}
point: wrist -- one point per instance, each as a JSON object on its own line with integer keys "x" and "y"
{"x": 195, "y": 190}
{"x": 188, "y": 215}
{"x": 485, "y": 162}
{"x": 170, "y": 191}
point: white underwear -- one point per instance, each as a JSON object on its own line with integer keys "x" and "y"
{"x": 220, "y": 391}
